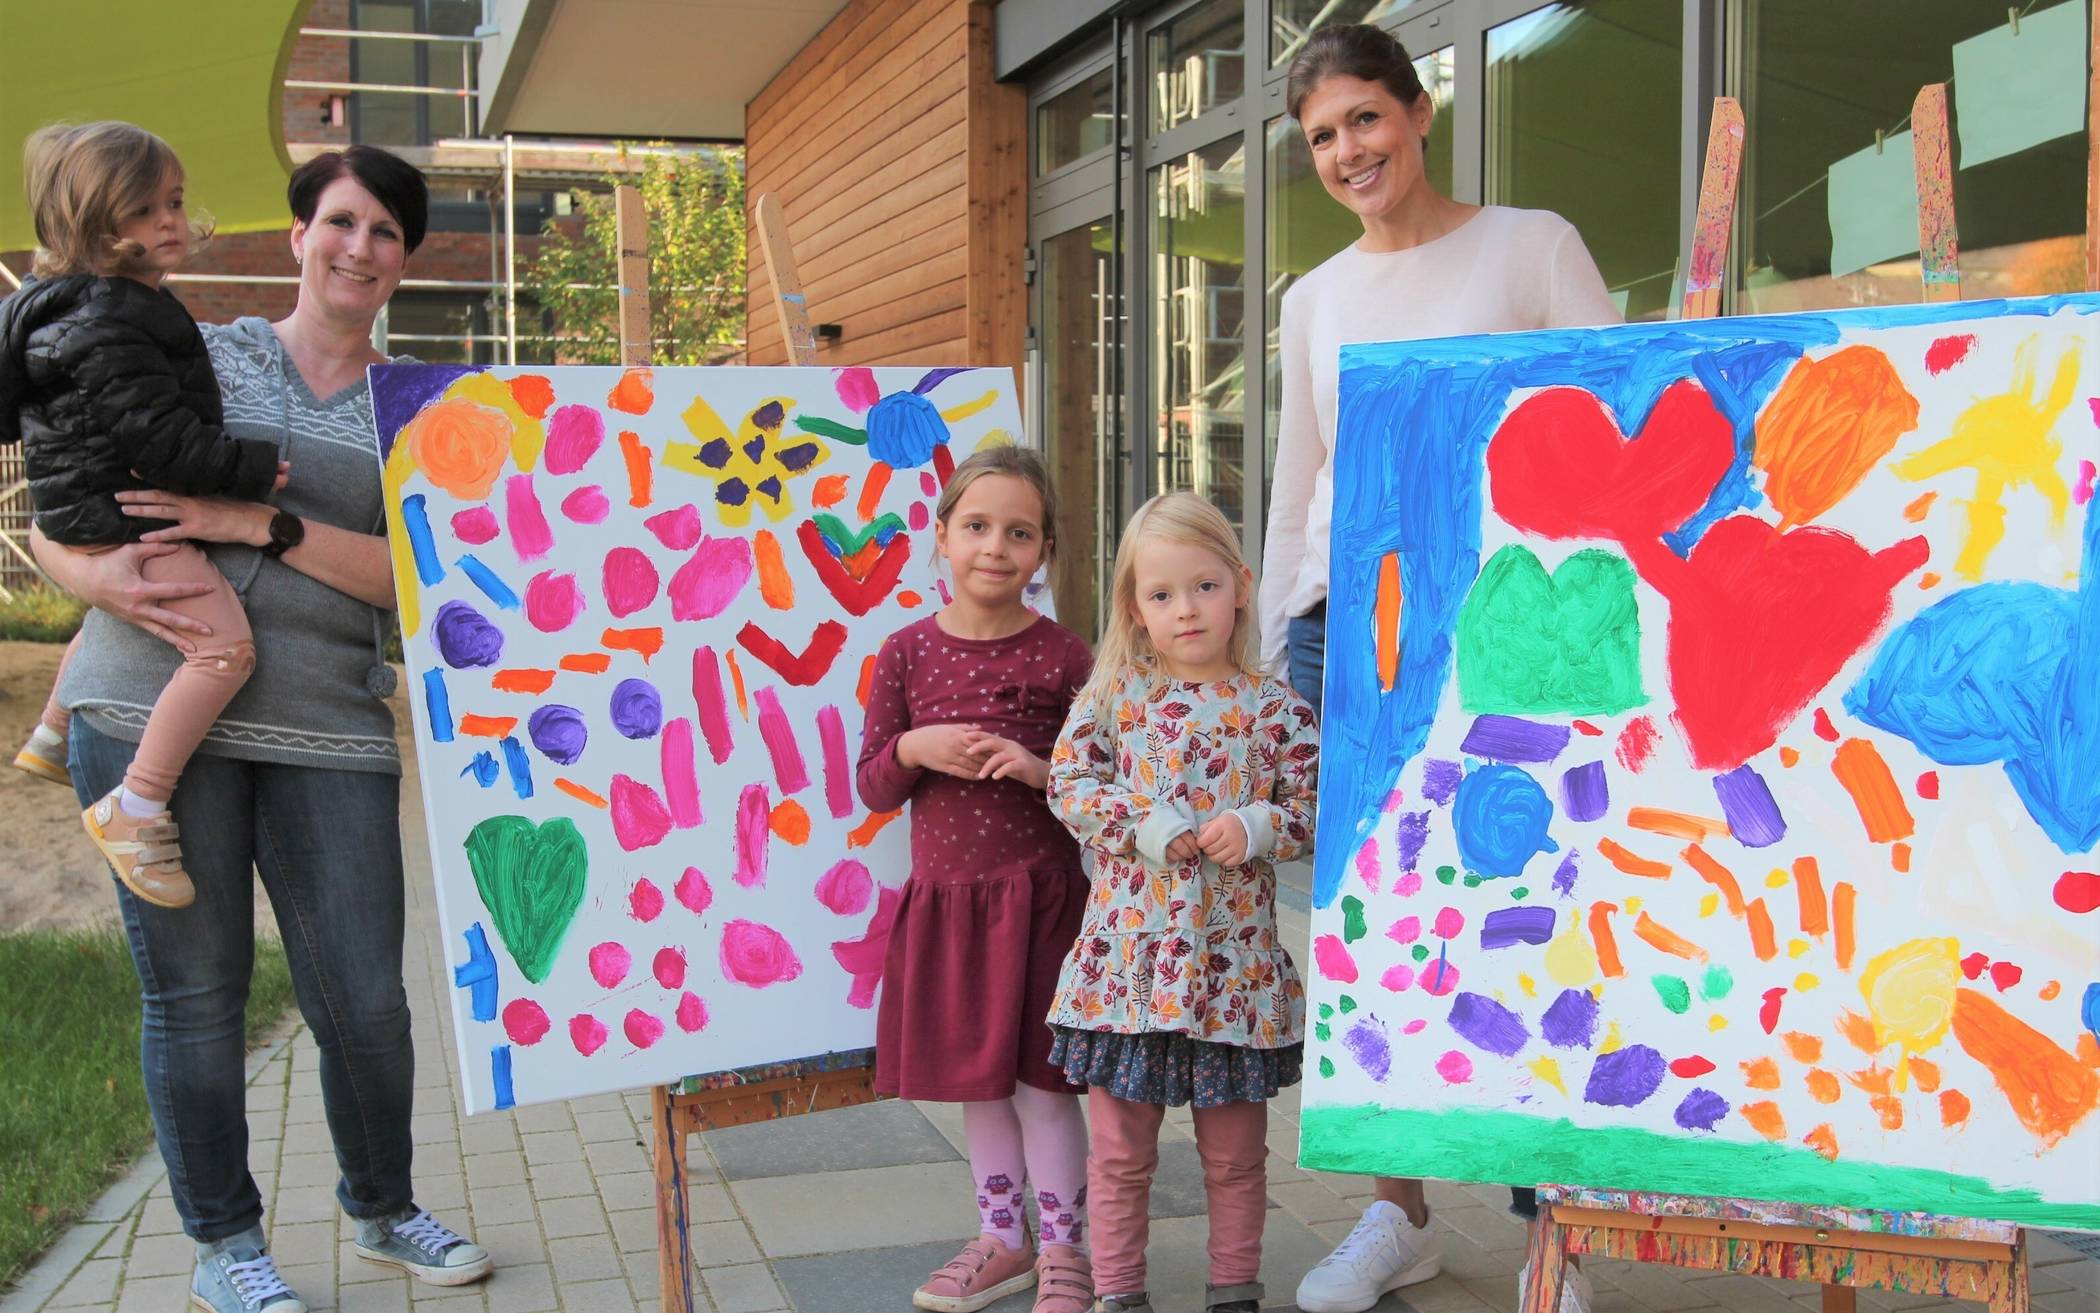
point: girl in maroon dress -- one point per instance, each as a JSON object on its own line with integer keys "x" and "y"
{"x": 963, "y": 708}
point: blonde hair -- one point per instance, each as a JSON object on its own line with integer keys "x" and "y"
{"x": 80, "y": 179}
{"x": 1015, "y": 463}
{"x": 1126, "y": 649}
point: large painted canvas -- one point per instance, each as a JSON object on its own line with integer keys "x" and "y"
{"x": 1712, "y": 766}
{"x": 639, "y": 610}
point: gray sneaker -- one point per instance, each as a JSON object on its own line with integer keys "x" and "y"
{"x": 235, "y": 1275}
{"x": 423, "y": 1247}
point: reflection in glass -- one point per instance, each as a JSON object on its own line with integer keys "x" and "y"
{"x": 1291, "y": 21}
{"x": 1811, "y": 102}
{"x": 1583, "y": 118}
{"x": 1303, "y": 225}
{"x": 1197, "y": 325}
{"x": 1196, "y": 62}
{"x": 1081, "y": 430}
{"x": 1075, "y": 122}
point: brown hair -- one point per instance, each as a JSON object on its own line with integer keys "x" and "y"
{"x": 1015, "y": 463}
{"x": 393, "y": 182}
{"x": 80, "y": 179}
{"x": 1356, "y": 50}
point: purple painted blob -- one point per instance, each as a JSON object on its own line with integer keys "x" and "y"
{"x": 1702, "y": 1110}
{"x": 1440, "y": 780}
{"x": 1366, "y": 1043}
{"x": 1487, "y": 1025}
{"x": 637, "y": 709}
{"x": 1571, "y": 1020}
{"x": 1516, "y": 925}
{"x": 1753, "y": 817}
{"x": 1413, "y": 832}
{"x": 1585, "y": 795}
{"x": 1564, "y": 877}
{"x": 1626, "y": 1077}
{"x": 1513, "y": 738}
{"x": 465, "y": 637}
{"x": 558, "y": 732}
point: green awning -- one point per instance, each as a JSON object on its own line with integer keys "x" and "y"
{"x": 206, "y": 77}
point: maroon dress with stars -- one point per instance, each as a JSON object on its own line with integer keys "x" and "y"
{"x": 996, "y": 888}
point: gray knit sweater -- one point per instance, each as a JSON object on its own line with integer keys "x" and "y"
{"x": 308, "y": 703}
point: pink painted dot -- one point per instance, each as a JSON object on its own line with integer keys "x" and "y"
{"x": 642, "y": 1029}
{"x": 1455, "y": 1067}
{"x": 1394, "y": 799}
{"x": 1333, "y": 959}
{"x": 587, "y": 1033}
{"x": 694, "y": 891}
{"x": 525, "y": 1021}
{"x": 645, "y": 902}
{"x": 920, "y": 518}
{"x": 573, "y": 435}
{"x": 630, "y": 581}
{"x": 927, "y": 485}
{"x": 857, "y": 388}
{"x": 2087, "y": 473}
{"x": 669, "y": 967}
{"x": 552, "y": 601}
{"x": 677, "y": 529}
{"x": 475, "y": 525}
{"x": 1413, "y": 1027}
{"x": 1449, "y": 922}
{"x": 846, "y": 888}
{"x": 1367, "y": 864}
{"x": 692, "y": 1013}
{"x": 1438, "y": 978}
{"x": 587, "y": 505}
{"x": 757, "y": 955}
{"x": 1409, "y": 884}
{"x": 1406, "y": 930}
{"x": 1398, "y": 976}
{"x": 609, "y": 963}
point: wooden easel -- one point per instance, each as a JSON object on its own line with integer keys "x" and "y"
{"x": 750, "y": 1094}
{"x": 1955, "y": 1257}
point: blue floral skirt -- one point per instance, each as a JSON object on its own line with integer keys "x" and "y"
{"x": 1174, "y": 1069}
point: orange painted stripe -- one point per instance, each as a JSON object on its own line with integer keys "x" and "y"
{"x": 2050, "y": 1091}
{"x": 1632, "y": 863}
{"x": 736, "y": 680}
{"x": 1915, "y": 512}
{"x": 522, "y": 681}
{"x": 647, "y": 641}
{"x": 829, "y": 491}
{"x": 1859, "y": 767}
{"x": 488, "y": 727}
{"x": 790, "y": 822}
{"x": 640, "y": 476}
{"x": 1387, "y": 620}
{"x": 1899, "y": 857}
{"x": 773, "y": 582}
{"x": 1843, "y": 900}
{"x": 871, "y": 491}
{"x": 588, "y": 663}
{"x": 578, "y": 792}
{"x": 1717, "y": 875}
{"x": 861, "y": 559}
{"x": 863, "y": 834}
{"x": 1659, "y": 936}
{"x": 1677, "y": 825}
{"x": 867, "y": 678}
{"x": 1762, "y": 940}
{"x": 1607, "y": 943}
{"x": 1808, "y": 889}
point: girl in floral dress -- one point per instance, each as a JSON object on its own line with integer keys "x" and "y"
{"x": 1187, "y": 772}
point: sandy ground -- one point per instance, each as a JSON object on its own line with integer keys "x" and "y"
{"x": 50, "y": 874}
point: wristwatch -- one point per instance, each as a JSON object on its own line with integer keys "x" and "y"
{"x": 286, "y": 532}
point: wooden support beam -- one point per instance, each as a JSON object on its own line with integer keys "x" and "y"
{"x": 1939, "y": 250}
{"x": 1717, "y": 186}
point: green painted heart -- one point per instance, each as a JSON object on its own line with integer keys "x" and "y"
{"x": 848, "y": 541}
{"x": 531, "y": 878}
{"x": 1569, "y": 644}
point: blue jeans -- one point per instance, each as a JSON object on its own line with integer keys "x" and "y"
{"x": 328, "y": 846}
{"x": 1305, "y": 642}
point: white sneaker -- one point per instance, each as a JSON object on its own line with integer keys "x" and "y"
{"x": 1574, "y": 1290}
{"x": 1384, "y": 1252}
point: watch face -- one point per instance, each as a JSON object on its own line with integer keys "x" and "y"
{"x": 286, "y": 532}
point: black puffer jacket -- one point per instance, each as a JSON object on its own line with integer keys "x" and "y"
{"x": 107, "y": 385}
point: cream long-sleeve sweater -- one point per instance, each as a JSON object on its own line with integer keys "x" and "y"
{"x": 1503, "y": 270}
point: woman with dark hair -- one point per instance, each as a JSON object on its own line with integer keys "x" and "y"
{"x": 1426, "y": 266}
{"x": 299, "y": 779}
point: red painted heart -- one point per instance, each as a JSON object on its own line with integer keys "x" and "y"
{"x": 1559, "y": 467}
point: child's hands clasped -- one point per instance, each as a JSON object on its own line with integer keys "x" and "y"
{"x": 1223, "y": 839}
{"x": 945, "y": 748}
{"x": 1002, "y": 759}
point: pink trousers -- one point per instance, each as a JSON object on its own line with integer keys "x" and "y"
{"x": 1232, "y": 1141}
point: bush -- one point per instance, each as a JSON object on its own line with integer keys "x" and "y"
{"x": 41, "y": 614}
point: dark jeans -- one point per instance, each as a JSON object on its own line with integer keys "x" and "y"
{"x": 328, "y": 846}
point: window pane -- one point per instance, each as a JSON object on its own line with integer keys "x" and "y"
{"x": 1303, "y": 225}
{"x": 1599, "y": 148}
{"x": 440, "y": 327}
{"x": 1081, "y": 405}
{"x": 1198, "y": 323}
{"x": 1075, "y": 123}
{"x": 1291, "y": 21}
{"x": 1196, "y": 62}
{"x": 1808, "y": 106}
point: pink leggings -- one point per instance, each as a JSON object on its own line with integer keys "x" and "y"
{"x": 1232, "y": 1141}
{"x": 201, "y": 686}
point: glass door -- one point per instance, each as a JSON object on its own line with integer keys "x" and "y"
{"x": 1082, "y": 433}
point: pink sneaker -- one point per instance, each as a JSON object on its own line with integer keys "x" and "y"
{"x": 985, "y": 1272}
{"x": 145, "y": 852}
{"x": 1064, "y": 1280}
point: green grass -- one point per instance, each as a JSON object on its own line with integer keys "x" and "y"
{"x": 40, "y": 615}
{"x": 72, "y": 1104}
